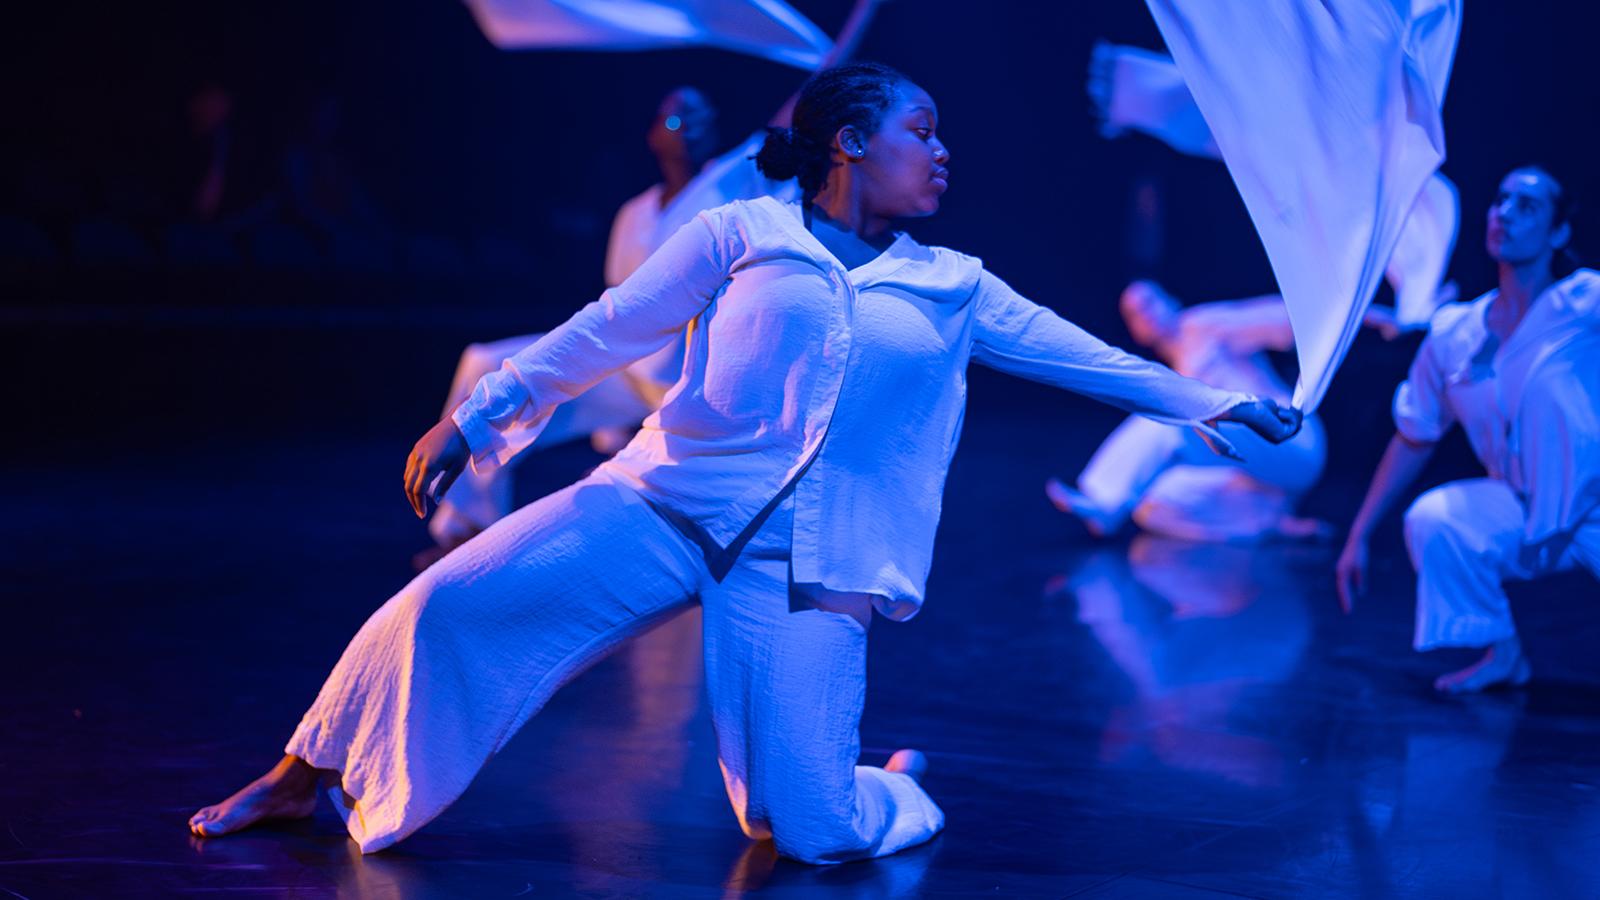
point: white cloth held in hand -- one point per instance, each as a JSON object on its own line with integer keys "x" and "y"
{"x": 1330, "y": 127}
{"x": 1139, "y": 90}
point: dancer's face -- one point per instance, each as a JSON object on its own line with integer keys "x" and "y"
{"x": 685, "y": 127}
{"x": 901, "y": 168}
{"x": 1151, "y": 315}
{"x": 1522, "y": 217}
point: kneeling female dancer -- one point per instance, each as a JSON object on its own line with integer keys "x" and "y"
{"x": 790, "y": 482}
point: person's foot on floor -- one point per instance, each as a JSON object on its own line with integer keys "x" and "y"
{"x": 289, "y": 791}
{"x": 908, "y": 762}
{"x": 1300, "y": 528}
{"x": 1073, "y": 502}
{"x": 1502, "y": 665}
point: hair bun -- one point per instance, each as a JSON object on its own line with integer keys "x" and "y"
{"x": 781, "y": 156}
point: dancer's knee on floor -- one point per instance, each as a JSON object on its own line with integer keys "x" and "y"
{"x": 819, "y": 843}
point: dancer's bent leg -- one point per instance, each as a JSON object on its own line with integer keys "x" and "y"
{"x": 445, "y": 673}
{"x": 1465, "y": 539}
{"x": 787, "y": 681}
{"x": 1118, "y": 474}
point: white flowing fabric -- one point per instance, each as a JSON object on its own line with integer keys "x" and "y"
{"x": 770, "y": 29}
{"x": 1135, "y": 89}
{"x": 1327, "y": 115}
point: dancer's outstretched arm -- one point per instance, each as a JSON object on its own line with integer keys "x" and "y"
{"x": 1016, "y": 335}
{"x": 1402, "y": 462}
{"x": 1262, "y": 323}
{"x": 508, "y": 408}
{"x": 1421, "y": 418}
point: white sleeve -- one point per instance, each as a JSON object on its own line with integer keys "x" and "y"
{"x": 1421, "y": 413}
{"x": 508, "y": 408}
{"x": 1015, "y": 335}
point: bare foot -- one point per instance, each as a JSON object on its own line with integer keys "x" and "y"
{"x": 1502, "y": 665}
{"x": 1073, "y": 502}
{"x": 909, "y": 762}
{"x": 289, "y": 791}
{"x": 1297, "y": 528}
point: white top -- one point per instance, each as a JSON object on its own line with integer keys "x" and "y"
{"x": 1223, "y": 343}
{"x": 633, "y": 234}
{"x": 1462, "y": 373}
{"x": 794, "y": 364}
{"x": 643, "y": 224}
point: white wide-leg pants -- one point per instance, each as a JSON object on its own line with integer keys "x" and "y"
{"x": 1465, "y": 540}
{"x": 1170, "y": 482}
{"x": 442, "y": 675}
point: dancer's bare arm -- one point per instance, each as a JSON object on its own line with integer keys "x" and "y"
{"x": 1402, "y": 462}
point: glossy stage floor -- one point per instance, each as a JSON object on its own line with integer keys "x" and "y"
{"x": 1103, "y": 719}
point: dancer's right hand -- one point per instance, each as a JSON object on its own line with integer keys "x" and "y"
{"x": 1351, "y": 572}
{"x": 440, "y": 454}
{"x": 1266, "y": 418}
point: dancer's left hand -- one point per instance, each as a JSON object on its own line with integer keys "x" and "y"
{"x": 1265, "y": 417}
{"x": 438, "y": 456}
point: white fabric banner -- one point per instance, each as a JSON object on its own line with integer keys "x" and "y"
{"x": 1327, "y": 115}
{"x": 1137, "y": 90}
{"x": 770, "y": 29}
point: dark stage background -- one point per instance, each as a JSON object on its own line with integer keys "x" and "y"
{"x": 204, "y": 437}
{"x": 490, "y": 180}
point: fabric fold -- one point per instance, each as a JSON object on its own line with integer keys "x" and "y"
{"x": 1330, "y": 127}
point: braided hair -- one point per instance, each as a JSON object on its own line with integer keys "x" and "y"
{"x": 857, "y": 95}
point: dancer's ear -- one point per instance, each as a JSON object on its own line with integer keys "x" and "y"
{"x": 1560, "y": 236}
{"x": 851, "y": 143}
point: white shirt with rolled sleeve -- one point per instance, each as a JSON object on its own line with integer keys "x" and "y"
{"x": 1462, "y": 373}
{"x": 1528, "y": 408}
{"x": 796, "y": 364}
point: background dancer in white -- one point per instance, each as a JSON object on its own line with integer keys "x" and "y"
{"x": 1166, "y": 479}
{"x": 1516, "y": 368}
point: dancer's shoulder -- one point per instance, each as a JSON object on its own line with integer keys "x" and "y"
{"x": 1582, "y": 289}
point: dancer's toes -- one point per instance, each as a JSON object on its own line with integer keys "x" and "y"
{"x": 908, "y": 762}
{"x": 289, "y": 791}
